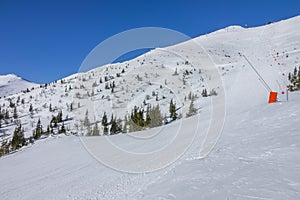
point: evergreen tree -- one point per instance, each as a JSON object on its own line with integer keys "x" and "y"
{"x": 96, "y": 131}
{"x": 204, "y": 93}
{"x": 31, "y": 140}
{"x": 113, "y": 127}
{"x": 190, "y": 96}
{"x": 119, "y": 126}
{"x": 31, "y": 109}
{"x": 48, "y": 132}
{"x": 172, "y": 110}
{"x": 155, "y": 117}
{"x": 148, "y": 118}
{"x": 18, "y": 139}
{"x": 54, "y": 121}
{"x": 192, "y": 110}
{"x": 15, "y": 115}
{"x": 6, "y": 116}
{"x": 4, "y": 149}
{"x": 60, "y": 117}
{"x": 104, "y": 124}
{"x": 86, "y": 121}
{"x": 38, "y": 130}
{"x": 62, "y": 129}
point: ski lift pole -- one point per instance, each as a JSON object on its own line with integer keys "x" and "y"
{"x": 260, "y": 77}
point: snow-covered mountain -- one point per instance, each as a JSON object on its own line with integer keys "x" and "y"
{"x": 256, "y": 157}
{"x": 11, "y": 84}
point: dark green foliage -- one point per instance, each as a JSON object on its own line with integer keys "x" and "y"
{"x": 18, "y": 139}
{"x": 62, "y": 129}
{"x": 38, "y": 130}
{"x": 31, "y": 140}
{"x": 60, "y": 117}
{"x": 154, "y": 118}
{"x": 192, "y": 110}
{"x": 53, "y": 123}
{"x": 4, "y": 149}
{"x": 6, "y": 116}
{"x": 86, "y": 121}
{"x": 15, "y": 115}
{"x": 48, "y": 131}
{"x": 104, "y": 124}
{"x": 31, "y": 110}
{"x": 50, "y": 108}
{"x": 11, "y": 104}
{"x": 139, "y": 119}
{"x": 294, "y": 78}
{"x": 204, "y": 93}
{"x": 96, "y": 131}
{"x": 172, "y": 110}
{"x": 114, "y": 129}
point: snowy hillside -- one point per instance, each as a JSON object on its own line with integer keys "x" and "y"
{"x": 11, "y": 84}
{"x": 256, "y": 157}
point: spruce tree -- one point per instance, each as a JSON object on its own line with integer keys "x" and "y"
{"x": 48, "y": 130}
{"x": 18, "y": 139}
{"x": 86, "y": 121}
{"x": 4, "y": 149}
{"x": 15, "y": 115}
{"x": 172, "y": 110}
{"x": 192, "y": 110}
{"x": 96, "y": 131}
{"x": 104, "y": 124}
{"x": 6, "y": 116}
{"x": 204, "y": 93}
{"x": 113, "y": 126}
{"x": 60, "y": 117}
{"x": 62, "y": 129}
{"x": 31, "y": 109}
{"x": 38, "y": 130}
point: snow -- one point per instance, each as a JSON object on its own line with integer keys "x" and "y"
{"x": 11, "y": 84}
{"x": 256, "y": 156}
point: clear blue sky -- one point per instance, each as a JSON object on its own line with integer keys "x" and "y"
{"x": 47, "y": 40}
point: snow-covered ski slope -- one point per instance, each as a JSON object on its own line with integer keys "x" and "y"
{"x": 256, "y": 157}
{"x": 11, "y": 84}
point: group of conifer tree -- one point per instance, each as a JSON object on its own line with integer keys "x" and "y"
{"x": 294, "y": 78}
{"x": 18, "y": 140}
